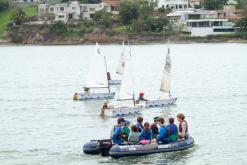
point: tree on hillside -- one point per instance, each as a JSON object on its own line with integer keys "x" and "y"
{"x": 242, "y": 24}
{"x": 18, "y": 16}
{"x": 128, "y": 12}
{"x": 146, "y": 8}
{"x": 240, "y": 4}
{"x": 214, "y": 4}
{"x": 103, "y": 17}
{"x": 211, "y": 4}
{"x": 58, "y": 28}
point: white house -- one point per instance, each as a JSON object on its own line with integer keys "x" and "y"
{"x": 202, "y": 23}
{"x": 74, "y": 10}
{"x": 88, "y": 10}
{"x": 174, "y": 4}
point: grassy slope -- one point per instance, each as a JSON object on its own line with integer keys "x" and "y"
{"x": 5, "y": 16}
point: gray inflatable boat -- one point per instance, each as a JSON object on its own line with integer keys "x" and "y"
{"x": 118, "y": 151}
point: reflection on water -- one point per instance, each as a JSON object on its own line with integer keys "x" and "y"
{"x": 41, "y": 124}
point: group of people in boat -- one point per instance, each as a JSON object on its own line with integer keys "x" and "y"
{"x": 145, "y": 133}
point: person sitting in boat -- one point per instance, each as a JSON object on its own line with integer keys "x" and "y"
{"x": 146, "y": 134}
{"x": 163, "y": 136}
{"x": 126, "y": 131}
{"x": 154, "y": 128}
{"x": 141, "y": 97}
{"x": 173, "y": 130}
{"x": 108, "y": 76}
{"x": 117, "y": 131}
{"x": 183, "y": 127}
{"x": 134, "y": 136}
{"x": 139, "y": 124}
{"x": 86, "y": 91}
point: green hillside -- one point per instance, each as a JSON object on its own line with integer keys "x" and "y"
{"x": 6, "y": 14}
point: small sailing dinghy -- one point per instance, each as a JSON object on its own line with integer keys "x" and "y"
{"x": 165, "y": 86}
{"x": 125, "y": 104}
{"x": 96, "y": 79}
{"x": 120, "y": 67}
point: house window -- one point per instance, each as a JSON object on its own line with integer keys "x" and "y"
{"x": 51, "y": 9}
{"x": 61, "y": 16}
{"x": 85, "y": 8}
{"x": 224, "y": 30}
{"x": 194, "y": 16}
{"x": 180, "y": 6}
{"x": 91, "y": 15}
{"x": 61, "y": 8}
{"x": 216, "y": 23}
{"x": 91, "y": 9}
{"x": 73, "y": 8}
{"x": 70, "y": 16}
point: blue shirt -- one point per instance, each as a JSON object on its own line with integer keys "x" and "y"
{"x": 116, "y": 135}
{"x": 162, "y": 136}
{"x": 173, "y": 129}
{"x": 146, "y": 135}
{"x": 139, "y": 127}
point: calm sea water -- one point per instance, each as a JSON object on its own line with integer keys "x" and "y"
{"x": 41, "y": 124}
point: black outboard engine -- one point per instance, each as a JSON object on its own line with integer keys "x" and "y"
{"x": 105, "y": 146}
{"x": 98, "y": 146}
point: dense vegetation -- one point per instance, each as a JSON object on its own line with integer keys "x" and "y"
{"x": 135, "y": 17}
{"x": 7, "y": 12}
{"x": 242, "y": 23}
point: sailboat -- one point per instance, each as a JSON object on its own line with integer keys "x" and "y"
{"x": 165, "y": 86}
{"x": 120, "y": 67}
{"x": 96, "y": 79}
{"x": 125, "y": 104}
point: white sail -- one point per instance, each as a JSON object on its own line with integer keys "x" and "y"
{"x": 166, "y": 77}
{"x": 96, "y": 77}
{"x": 120, "y": 67}
{"x": 127, "y": 85}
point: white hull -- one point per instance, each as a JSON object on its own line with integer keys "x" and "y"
{"x": 93, "y": 96}
{"x": 122, "y": 111}
{"x": 114, "y": 82}
{"x": 161, "y": 102}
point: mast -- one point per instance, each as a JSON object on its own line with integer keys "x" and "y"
{"x": 130, "y": 56}
{"x": 134, "y": 99}
{"x": 108, "y": 86}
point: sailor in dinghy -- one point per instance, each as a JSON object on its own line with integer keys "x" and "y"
{"x": 96, "y": 79}
{"x": 165, "y": 86}
{"x": 125, "y": 104}
{"x": 120, "y": 68}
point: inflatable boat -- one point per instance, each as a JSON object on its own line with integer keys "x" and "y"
{"x": 105, "y": 147}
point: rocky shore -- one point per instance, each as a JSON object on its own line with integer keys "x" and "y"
{"x": 44, "y": 39}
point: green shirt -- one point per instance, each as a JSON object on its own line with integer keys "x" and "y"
{"x": 126, "y": 130}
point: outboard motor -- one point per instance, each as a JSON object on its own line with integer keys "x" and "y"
{"x": 105, "y": 146}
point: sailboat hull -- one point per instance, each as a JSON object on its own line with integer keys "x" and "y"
{"x": 93, "y": 96}
{"x": 161, "y": 102}
{"x": 114, "y": 82}
{"x": 122, "y": 111}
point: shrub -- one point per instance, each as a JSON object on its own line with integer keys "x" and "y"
{"x": 58, "y": 28}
